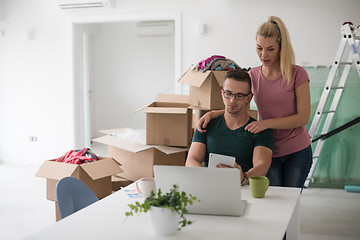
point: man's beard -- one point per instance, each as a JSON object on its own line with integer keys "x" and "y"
{"x": 232, "y": 111}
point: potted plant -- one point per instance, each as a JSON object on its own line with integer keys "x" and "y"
{"x": 167, "y": 210}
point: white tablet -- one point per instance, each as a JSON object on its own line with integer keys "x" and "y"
{"x": 216, "y": 159}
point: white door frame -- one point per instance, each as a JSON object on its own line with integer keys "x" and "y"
{"x": 77, "y": 59}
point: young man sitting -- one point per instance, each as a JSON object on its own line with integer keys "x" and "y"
{"x": 226, "y": 134}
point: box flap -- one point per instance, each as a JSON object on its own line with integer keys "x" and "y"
{"x": 194, "y": 78}
{"x": 170, "y": 150}
{"x": 101, "y": 168}
{"x": 167, "y": 100}
{"x": 137, "y": 110}
{"x": 166, "y": 110}
{"x": 220, "y": 76}
{"x": 172, "y": 98}
{"x": 198, "y": 108}
{"x": 121, "y": 143}
{"x": 115, "y": 178}
{"x": 56, "y": 170}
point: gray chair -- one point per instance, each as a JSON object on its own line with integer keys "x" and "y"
{"x": 73, "y": 195}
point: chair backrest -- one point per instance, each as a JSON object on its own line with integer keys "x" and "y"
{"x": 72, "y": 195}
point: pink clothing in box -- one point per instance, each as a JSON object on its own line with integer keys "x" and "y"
{"x": 276, "y": 99}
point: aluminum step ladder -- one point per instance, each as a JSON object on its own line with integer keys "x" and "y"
{"x": 350, "y": 38}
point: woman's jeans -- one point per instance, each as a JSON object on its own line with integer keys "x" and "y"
{"x": 291, "y": 170}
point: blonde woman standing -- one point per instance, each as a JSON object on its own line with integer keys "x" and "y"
{"x": 282, "y": 95}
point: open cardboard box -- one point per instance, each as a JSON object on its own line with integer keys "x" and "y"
{"x": 96, "y": 175}
{"x": 205, "y": 88}
{"x": 169, "y": 121}
{"x": 137, "y": 160}
{"x": 119, "y": 182}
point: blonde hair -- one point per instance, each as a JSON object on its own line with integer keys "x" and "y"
{"x": 275, "y": 27}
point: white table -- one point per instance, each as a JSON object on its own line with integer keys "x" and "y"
{"x": 267, "y": 218}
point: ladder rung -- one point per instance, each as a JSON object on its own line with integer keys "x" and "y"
{"x": 337, "y": 88}
{"x": 345, "y": 63}
{"x": 315, "y": 157}
{"x": 316, "y": 136}
{"x": 326, "y": 112}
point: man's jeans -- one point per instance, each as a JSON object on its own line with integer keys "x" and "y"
{"x": 291, "y": 170}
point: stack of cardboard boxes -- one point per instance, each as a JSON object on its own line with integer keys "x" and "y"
{"x": 168, "y": 135}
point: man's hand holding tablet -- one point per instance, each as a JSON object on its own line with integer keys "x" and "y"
{"x": 217, "y": 159}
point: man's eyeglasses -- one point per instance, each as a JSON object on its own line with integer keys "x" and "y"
{"x": 238, "y": 96}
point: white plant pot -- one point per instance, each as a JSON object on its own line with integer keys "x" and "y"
{"x": 164, "y": 221}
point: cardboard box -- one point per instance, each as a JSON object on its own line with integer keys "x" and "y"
{"x": 205, "y": 88}
{"x": 57, "y": 212}
{"x": 169, "y": 121}
{"x": 137, "y": 160}
{"x": 96, "y": 175}
{"x": 197, "y": 114}
{"x": 119, "y": 182}
{"x": 253, "y": 113}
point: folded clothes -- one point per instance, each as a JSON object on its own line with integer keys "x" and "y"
{"x": 84, "y": 155}
{"x": 205, "y": 62}
{"x": 217, "y": 63}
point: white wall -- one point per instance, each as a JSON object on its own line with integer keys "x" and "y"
{"x": 36, "y": 85}
{"x": 232, "y": 24}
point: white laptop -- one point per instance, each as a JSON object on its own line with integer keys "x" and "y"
{"x": 219, "y": 189}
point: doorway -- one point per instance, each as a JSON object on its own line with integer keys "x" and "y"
{"x": 117, "y": 70}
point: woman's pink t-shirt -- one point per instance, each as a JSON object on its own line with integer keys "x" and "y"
{"x": 276, "y": 99}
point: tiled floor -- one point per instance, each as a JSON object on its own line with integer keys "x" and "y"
{"x": 326, "y": 214}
